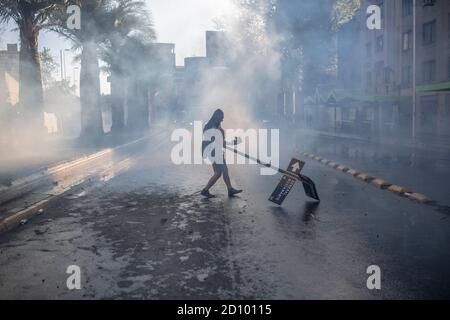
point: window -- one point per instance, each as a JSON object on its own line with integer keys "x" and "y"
{"x": 379, "y": 71}
{"x": 352, "y": 115}
{"x": 429, "y": 71}
{"x": 407, "y": 7}
{"x": 379, "y": 66}
{"x": 369, "y": 114}
{"x": 448, "y": 19}
{"x": 387, "y": 74}
{"x": 369, "y": 49}
{"x": 429, "y": 32}
{"x": 369, "y": 79}
{"x": 345, "y": 114}
{"x": 407, "y": 40}
{"x": 407, "y": 76}
{"x": 429, "y": 3}
{"x": 381, "y": 5}
{"x": 380, "y": 43}
{"x": 449, "y": 67}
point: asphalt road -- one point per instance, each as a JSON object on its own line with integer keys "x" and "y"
{"x": 145, "y": 234}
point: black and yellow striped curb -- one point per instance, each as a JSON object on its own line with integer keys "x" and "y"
{"x": 377, "y": 182}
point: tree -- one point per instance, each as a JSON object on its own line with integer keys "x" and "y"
{"x": 137, "y": 60}
{"x": 94, "y": 27}
{"x": 251, "y": 56}
{"x": 344, "y": 11}
{"x": 30, "y": 17}
{"x": 2, "y": 29}
{"x": 130, "y": 24}
{"x": 307, "y": 28}
{"x": 48, "y": 68}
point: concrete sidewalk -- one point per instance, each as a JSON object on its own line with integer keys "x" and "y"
{"x": 18, "y": 161}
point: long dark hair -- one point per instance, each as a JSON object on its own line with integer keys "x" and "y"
{"x": 215, "y": 120}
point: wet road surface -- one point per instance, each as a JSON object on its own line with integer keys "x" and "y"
{"x": 423, "y": 171}
{"x": 145, "y": 234}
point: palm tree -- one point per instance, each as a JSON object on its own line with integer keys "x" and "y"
{"x": 30, "y": 16}
{"x": 129, "y": 22}
{"x": 94, "y": 27}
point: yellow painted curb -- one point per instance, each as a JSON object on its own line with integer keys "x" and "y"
{"x": 353, "y": 172}
{"x": 333, "y": 164}
{"x": 342, "y": 168}
{"x": 397, "y": 189}
{"x": 419, "y": 197}
{"x": 364, "y": 177}
{"x": 380, "y": 183}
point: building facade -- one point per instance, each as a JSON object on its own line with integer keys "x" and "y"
{"x": 374, "y": 90}
{"x": 162, "y": 94}
{"x": 9, "y": 76}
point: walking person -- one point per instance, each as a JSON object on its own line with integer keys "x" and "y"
{"x": 220, "y": 169}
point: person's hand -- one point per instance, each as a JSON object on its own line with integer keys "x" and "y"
{"x": 237, "y": 141}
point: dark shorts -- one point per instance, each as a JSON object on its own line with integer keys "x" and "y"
{"x": 220, "y": 167}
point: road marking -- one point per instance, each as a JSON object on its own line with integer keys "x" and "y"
{"x": 397, "y": 189}
{"x": 333, "y": 165}
{"x": 380, "y": 183}
{"x": 342, "y": 168}
{"x": 364, "y": 177}
{"x": 353, "y": 172}
{"x": 419, "y": 197}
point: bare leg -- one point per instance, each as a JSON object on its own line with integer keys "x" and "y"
{"x": 231, "y": 191}
{"x": 213, "y": 180}
{"x": 226, "y": 178}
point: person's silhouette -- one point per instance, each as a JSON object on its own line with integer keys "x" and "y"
{"x": 219, "y": 168}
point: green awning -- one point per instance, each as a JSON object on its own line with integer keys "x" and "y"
{"x": 443, "y": 86}
{"x": 381, "y": 98}
{"x": 370, "y": 99}
{"x": 334, "y": 97}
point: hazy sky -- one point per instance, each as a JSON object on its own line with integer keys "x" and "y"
{"x": 182, "y": 22}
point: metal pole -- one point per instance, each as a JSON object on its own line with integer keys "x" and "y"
{"x": 65, "y": 74}
{"x": 61, "y": 59}
{"x": 414, "y": 107}
{"x": 268, "y": 165}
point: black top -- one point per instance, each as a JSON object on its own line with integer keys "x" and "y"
{"x": 206, "y": 143}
